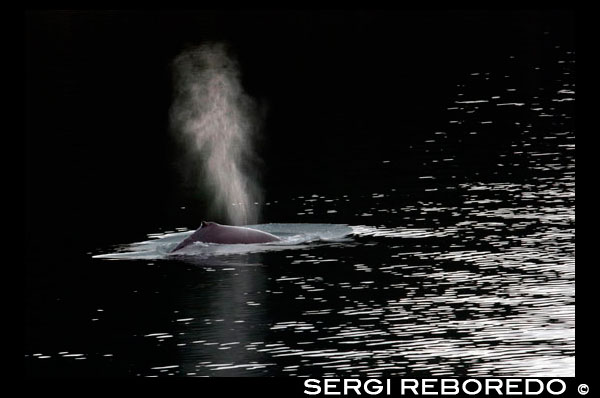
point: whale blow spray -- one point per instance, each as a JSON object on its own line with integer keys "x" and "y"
{"x": 218, "y": 124}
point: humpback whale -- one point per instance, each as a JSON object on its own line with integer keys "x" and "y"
{"x": 212, "y": 232}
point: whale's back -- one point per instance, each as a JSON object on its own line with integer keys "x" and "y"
{"x": 210, "y": 232}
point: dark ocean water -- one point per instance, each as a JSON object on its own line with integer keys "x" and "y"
{"x": 460, "y": 264}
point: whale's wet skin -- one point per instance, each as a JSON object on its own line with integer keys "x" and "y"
{"x": 453, "y": 255}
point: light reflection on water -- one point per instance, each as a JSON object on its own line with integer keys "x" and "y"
{"x": 471, "y": 278}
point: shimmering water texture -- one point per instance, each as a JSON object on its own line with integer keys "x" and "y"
{"x": 465, "y": 269}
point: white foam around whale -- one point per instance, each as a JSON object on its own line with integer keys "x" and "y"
{"x": 293, "y": 236}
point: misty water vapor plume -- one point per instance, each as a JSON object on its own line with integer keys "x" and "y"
{"x": 218, "y": 123}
